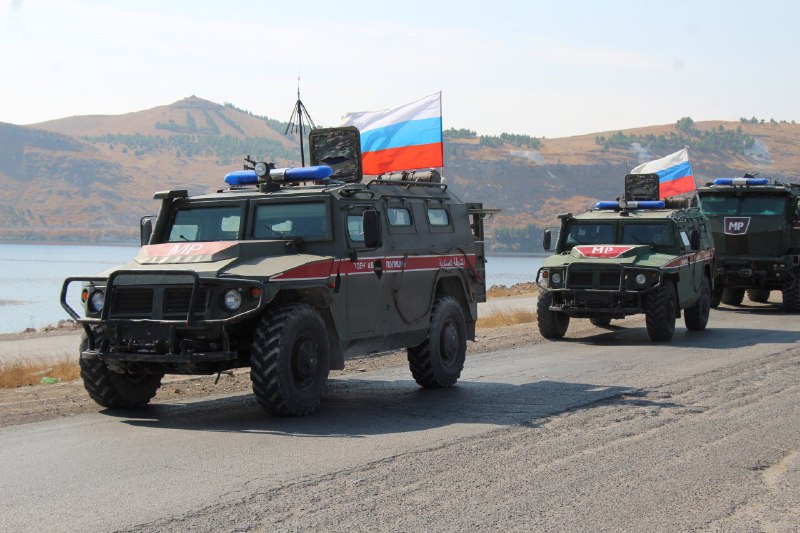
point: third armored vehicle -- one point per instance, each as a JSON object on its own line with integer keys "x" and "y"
{"x": 756, "y": 227}
{"x": 627, "y": 257}
{"x": 288, "y": 272}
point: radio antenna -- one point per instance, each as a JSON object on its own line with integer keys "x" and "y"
{"x": 295, "y": 125}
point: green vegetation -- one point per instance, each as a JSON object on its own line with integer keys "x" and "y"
{"x": 520, "y": 239}
{"x": 227, "y": 148}
{"x": 460, "y": 133}
{"x": 714, "y": 140}
{"x": 754, "y": 120}
{"x": 277, "y": 125}
{"x": 514, "y": 139}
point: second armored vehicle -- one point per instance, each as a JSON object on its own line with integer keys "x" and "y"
{"x": 628, "y": 257}
{"x": 756, "y": 227}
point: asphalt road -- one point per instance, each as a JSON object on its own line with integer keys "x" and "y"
{"x": 601, "y": 432}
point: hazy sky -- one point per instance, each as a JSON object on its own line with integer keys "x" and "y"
{"x": 545, "y": 68}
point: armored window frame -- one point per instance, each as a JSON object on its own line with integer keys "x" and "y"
{"x": 323, "y": 236}
{"x": 192, "y": 206}
{"x": 391, "y": 224}
{"x": 439, "y": 228}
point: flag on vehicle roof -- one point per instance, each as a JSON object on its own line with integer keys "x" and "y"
{"x": 403, "y": 138}
{"x": 675, "y": 175}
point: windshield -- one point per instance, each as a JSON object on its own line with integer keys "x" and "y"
{"x": 765, "y": 204}
{"x": 306, "y": 220}
{"x": 654, "y": 234}
{"x": 219, "y": 223}
{"x": 589, "y": 233}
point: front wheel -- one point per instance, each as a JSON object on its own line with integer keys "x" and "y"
{"x": 660, "y": 310}
{"x": 732, "y": 296}
{"x": 696, "y": 316}
{"x": 716, "y": 297}
{"x": 552, "y": 324}
{"x": 290, "y": 360}
{"x": 439, "y": 360}
{"x": 116, "y": 390}
{"x": 760, "y": 296}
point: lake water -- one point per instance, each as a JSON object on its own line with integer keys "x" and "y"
{"x": 31, "y": 276}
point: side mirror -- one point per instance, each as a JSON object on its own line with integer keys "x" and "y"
{"x": 694, "y": 240}
{"x": 373, "y": 238}
{"x": 797, "y": 208}
{"x": 547, "y": 240}
{"x": 146, "y": 229}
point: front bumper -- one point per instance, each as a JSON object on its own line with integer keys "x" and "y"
{"x": 609, "y": 299}
{"x": 183, "y": 330}
{"x": 745, "y": 273}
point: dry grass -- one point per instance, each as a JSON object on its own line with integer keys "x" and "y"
{"x": 506, "y": 318}
{"x": 19, "y": 374}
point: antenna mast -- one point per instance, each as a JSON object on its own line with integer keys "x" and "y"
{"x": 295, "y": 124}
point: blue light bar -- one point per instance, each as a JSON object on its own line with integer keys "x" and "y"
{"x": 646, "y": 204}
{"x": 318, "y": 172}
{"x": 607, "y": 205}
{"x": 640, "y": 204}
{"x": 741, "y": 181}
{"x": 241, "y": 177}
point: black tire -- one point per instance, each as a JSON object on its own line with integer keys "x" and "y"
{"x": 791, "y": 293}
{"x": 758, "y": 295}
{"x": 696, "y": 316}
{"x": 732, "y": 296}
{"x": 439, "y": 360}
{"x": 116, "y": 390}
{"x": 660, "y": 310}
{"x": 290, "y": 360}
{"x": 600, "y": 321}
{"x": 716, "y": 297}
{"x": 552, "y": 324}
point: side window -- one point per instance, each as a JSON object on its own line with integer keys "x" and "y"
{"x": 399, "y": 216}
{"x": 355, "y": 228}
{"x": 438, "y": 216}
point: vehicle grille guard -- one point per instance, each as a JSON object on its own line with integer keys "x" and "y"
{"x": 190, "y": 320}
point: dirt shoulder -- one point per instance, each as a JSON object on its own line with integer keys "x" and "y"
{"x": 44, "y": 402}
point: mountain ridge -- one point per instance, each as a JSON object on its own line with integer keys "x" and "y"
{"x": 91, "y": 177}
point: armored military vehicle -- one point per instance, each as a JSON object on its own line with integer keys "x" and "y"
{"x": 288, "y": 272}
{"x": 625, "y": 257}
{"x": 756, "y": 228}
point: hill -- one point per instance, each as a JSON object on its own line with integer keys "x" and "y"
{"x": 92, "y": 177}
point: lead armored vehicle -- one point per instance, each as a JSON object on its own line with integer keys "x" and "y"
{"x": 756, "y": 227}
{"x": 632, "y": 256}
{"x": 288, "y": 272}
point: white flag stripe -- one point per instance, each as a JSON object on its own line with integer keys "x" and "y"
{"x": 681, "y": 156}
{"x": 428, "y": 107}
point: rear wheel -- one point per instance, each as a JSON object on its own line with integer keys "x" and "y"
{"x": 439, "y": 360}
{"x": 116, "y": 390}
{"x": 552, "y": 324}
{"x": 660, "y": 310}
{"x": 758, "y": 295}
{"x": 696, "y": 316}
{"x": 732, "y": 296}
{"x": 716, "y": 297}
{"x": 290, "y": 360}
{"x": 600, "y": 321}
{"x": 791, "y": 293}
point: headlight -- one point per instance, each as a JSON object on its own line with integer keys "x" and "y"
{"x": 96, "y": 301}
{"x": 262, "y": 169}
{"x": 232, "y": 300}
{"x": 640, "y": 279}
{"x": 555, "y": 278}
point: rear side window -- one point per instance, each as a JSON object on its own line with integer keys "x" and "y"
{"x": 399, "y": 216}
{"x": 355, "y": 228}
{"x": 438, "y": 216}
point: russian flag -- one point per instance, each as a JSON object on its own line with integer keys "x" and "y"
{"x": 404, "y": 138}
{"x": 675, "y": 175}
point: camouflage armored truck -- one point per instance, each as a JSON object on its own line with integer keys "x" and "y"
{"x": 288, "y": 272}
{"x": 756, "y": 228}
{"x": 628, "y": 257}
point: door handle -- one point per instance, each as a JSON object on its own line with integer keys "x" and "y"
{"x": 378, "y": 267}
